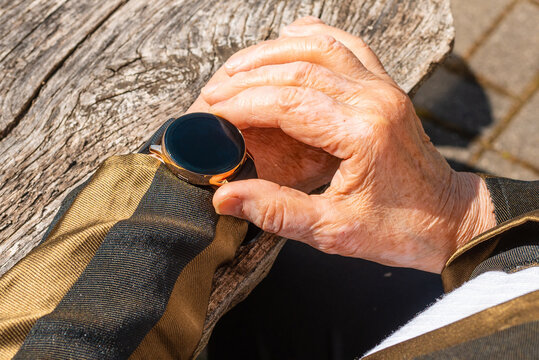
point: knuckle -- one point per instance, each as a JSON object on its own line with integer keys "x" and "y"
{"x": 325, "y": 42}
{"x": 399, "y": 101}
{"x": 289, "y": 98}
{"x": 396, "y": 95}
{"x": 391, "y": 100}
{"x": 335, "y": 233}
{"x": 303, "y": 71}
{"x": 273, "y": 217}
{"x": 329, "y": 245}
{"x": 319, "y": 28}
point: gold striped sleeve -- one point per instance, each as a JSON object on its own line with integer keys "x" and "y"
{"x": 178, "y": 332}
{"x": 35, "y": 286}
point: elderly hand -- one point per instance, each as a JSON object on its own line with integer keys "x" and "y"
{"x": 393, "y": 198}
{"x": 280, "y": 158}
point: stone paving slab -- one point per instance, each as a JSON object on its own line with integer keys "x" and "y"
{"x": 472, "y": 18}
{"x": 461, "y": 103}
{"x": 468, "y": 105}
{"x": 457, "y": 150}
{"x": 521, "y": 137}
{"x": 509, "y": 57}
{"x": 495, "y": 164}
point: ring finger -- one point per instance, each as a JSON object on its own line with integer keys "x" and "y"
{"x": 320, "y": 49}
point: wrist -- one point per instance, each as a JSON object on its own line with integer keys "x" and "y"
{"x": 465, "y": 210}
{"x": 477, "y": 208}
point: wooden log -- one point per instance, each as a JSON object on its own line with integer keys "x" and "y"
{"x": 83, "y": 80}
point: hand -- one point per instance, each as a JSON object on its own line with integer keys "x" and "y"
{"x": 393, "y": 198}
{"x": 278, "y": 157}
{"x": 288, "y": 161}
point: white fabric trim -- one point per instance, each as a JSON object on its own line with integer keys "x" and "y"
{"x": 486, "y": 290}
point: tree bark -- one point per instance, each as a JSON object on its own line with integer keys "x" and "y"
{"x": 83, "y": 80}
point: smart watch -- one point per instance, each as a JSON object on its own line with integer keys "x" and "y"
{"x": 204, "y": 149}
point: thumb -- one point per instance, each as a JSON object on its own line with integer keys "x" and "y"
{"x": 273, "y": 208}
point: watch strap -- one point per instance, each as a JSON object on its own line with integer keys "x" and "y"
{"x": 155, "y": 138}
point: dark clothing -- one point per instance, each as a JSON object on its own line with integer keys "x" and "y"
{"x": 316, "y": 306}
{"x": 126, "y": 270}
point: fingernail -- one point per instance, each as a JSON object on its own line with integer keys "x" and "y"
{"x": 208, "y": 89}
{"x": 215, "y": 109}
{"x": 291, "y": 28}
{"x": 312, "y": 20}
{"x": 230, "y": 206}
{"x": 233, "y": 62}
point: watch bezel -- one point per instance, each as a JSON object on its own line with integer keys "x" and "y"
{"x": 195, "y": 177}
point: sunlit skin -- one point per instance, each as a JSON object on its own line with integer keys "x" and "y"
{"x": 316, "y": 106}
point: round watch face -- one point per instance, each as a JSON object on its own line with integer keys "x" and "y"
{"x": 204, "y": 144}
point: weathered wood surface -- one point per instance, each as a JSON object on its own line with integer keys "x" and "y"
{"x": 83, "y": 80}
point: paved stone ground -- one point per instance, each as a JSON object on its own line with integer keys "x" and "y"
{"x": 481, "y": 108}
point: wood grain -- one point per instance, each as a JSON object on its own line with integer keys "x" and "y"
{"x": 83, "y": 80}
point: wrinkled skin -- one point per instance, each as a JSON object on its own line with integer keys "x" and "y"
{"x": 316, "y": 106}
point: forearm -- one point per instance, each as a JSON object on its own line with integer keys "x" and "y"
{"x": 477, "y": 208}
{"x": 127, "y": 267}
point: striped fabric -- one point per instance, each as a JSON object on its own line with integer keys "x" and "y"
{"x": 125, "y": 270}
